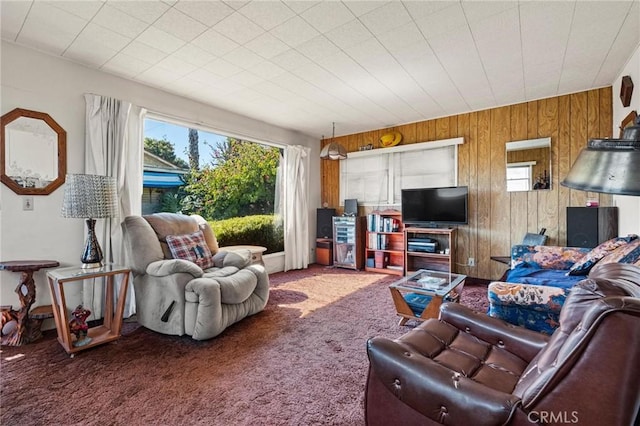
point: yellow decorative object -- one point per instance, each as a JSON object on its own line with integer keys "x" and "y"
{"x": 390, "y": 139}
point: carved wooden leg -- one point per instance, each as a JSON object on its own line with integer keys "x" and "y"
{"x": 19, "y": 335}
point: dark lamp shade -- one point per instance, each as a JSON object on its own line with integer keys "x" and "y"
{"x": 611, "y": 166}
{"x": 89, "y": 196}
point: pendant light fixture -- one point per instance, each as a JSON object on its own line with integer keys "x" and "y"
{"x": 609, "y": 165}
{"x": 333, "y": 150}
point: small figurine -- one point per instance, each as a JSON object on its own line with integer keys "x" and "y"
{"x": 78, "y": 326}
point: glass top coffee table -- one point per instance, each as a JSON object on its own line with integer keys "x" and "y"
{"x": 419, "y": 295}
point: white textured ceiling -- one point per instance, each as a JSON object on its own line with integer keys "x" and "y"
{"x": 363, "y": 64}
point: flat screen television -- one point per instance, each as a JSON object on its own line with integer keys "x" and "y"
{"x": 434, "y": 207}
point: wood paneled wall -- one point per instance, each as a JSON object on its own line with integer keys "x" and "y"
{"x": 498, "y": 219}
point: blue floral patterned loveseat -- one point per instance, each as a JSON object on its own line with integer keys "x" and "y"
{"x": 541, "y": 277}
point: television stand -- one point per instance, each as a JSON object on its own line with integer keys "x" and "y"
{"x": 426, "y": 256}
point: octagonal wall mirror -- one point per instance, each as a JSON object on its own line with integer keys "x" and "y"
{"x": 529, "y": 165}
{"x": 34, "y": 152}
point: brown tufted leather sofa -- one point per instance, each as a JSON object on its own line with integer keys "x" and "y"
{"x": 466, "y": 368}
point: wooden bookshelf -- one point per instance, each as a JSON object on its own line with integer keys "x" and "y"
{"x": 385, "y": 242}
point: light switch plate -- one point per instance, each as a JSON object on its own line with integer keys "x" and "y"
{"x": 27, "y": 203}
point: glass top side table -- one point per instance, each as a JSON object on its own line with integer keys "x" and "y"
{"x": 418, "y": 296}
{"x": 112, "y": 324}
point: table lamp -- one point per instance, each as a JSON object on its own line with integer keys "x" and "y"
{"x": 90, "y": 197}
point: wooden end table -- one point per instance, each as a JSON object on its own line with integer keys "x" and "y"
{"x": 27, "y": 324}
{"x": 256, "y": 252}
{"x": 425, "y": 290}
{"x": 112, "y": 325}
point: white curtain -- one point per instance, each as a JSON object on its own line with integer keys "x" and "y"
{"x": 114, "y": 148}
{"x": 294, "y": 173}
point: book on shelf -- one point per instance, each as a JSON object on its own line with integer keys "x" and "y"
{"x": 377, "y": 242}
{"x": 379, "y": 223}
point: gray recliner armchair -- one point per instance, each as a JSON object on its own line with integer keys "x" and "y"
{"x": 178, "y": 297}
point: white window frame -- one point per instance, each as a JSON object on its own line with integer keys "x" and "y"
{"x": 387, "y": 196}
{"x": 522, "y": 165}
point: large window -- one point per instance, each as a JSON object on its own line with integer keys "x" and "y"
{"x": 229, "y": 181}
{"x": 376, "y": 177}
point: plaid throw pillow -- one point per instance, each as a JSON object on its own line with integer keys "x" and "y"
{"x": 191, "y": 247}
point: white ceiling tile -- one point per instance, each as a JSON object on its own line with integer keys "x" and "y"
{"x": 160, "y": 40}
{"x": 50, "y": 28}
{"x": 369, "y": 52}
{"x": 620, "y": 53}
{"x": 273, "y": 90}
{"x": 246, "y": 78}
{"x": 326, "y": 16}
{"x": 267, "y": 46}
{"x": 243, "y": 57}
{"x": 445, "y": 20}
{"x": 572, "y": 79}
{"x": 291, "y": 60}
{"x": 342, "y": 65}
{"x": 301, "y": 5}
{"x": 193, "y": 55}
{"x": 318, "y": 48}
{"x": 203, "y": 76}
{"x": 359, "y": 8}
{"x": 347, "y": 35}
{"x": 553, "y": 21}
{"x": 85, "y": 9}
{"x": 480, "y": 10}
{"x": 590, "y": 14}
{"x": 120, "y": 22}
{"x": 187, "y": 85}
{"x": 125, "y": 65}
{"x": 394, "y": 40}
{"x": 157, "y": 76}
{"x": 222, "y": 68}
{"x": 101, "y": 36}
{"x": 267, "y": 70}
{"x": 236, "y": 4}
{"x": 143, "y": 52}
{"x": 191, "y": 86}
{"x": 294, "y": 32}
{"x": 390, "y": 17}
{"x": 497, "y": 26}
{"x": 414, "y": 53}
{"x": 268, "y": 14}
{"x": 176, "y": 65}
{"x": 248, "y": 96}
{"x": 316, "y": 75}
{"x": 180, "y": 25}
{"x": 450, "y": 47}
{"x": 421, "y": 10}
{"x": 213, "y": 42}
{"x": 238, "y": 28}
{"x": 89, "y": 53}
{"x": 12, "y": 16}
{"x": 207, "y": 12}
{"x": 492, "y": 54}
{"x": 147, "y": 11}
